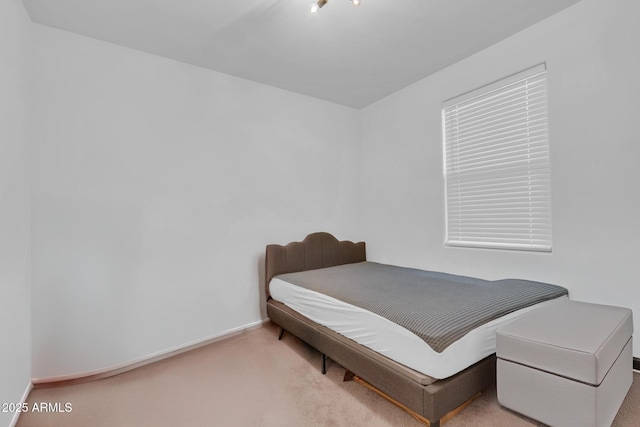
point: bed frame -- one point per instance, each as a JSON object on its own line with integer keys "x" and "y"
{"x": 429, "y": 398}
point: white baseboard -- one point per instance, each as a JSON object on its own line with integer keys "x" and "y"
{"x": 24, "y": 398}
{"x": 154, "y": 357}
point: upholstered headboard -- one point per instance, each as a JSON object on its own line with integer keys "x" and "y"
{"x": 317, "y": 250}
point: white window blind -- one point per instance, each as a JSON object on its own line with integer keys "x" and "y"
{"x": 497, "y": 173}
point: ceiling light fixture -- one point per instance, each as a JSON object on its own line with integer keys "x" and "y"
{"x": 316, "y": 6}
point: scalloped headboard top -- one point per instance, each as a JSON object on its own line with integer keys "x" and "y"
{"x": 317, "y": 250}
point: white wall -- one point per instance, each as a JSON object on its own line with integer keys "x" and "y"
{"x": 156, "y": 186}
{"x": 591, "y": 50}
{"x": 15, "y": 325}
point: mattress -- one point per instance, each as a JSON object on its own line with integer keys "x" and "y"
{"x": 390, "y": 339}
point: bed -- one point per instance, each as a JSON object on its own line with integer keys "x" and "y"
{"x": 410, "y": 382}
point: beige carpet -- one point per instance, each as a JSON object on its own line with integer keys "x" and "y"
{"x": 252, "y": 380}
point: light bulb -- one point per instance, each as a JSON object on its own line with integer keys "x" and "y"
{"x": 355, "y": 2}
{"x": 314, "y": 7}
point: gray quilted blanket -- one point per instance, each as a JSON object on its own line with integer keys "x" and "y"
{"x": 439, "y": 308}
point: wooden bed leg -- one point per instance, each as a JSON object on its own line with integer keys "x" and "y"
{"x": 280, "y": 334}
{"x": 324, "y": 364}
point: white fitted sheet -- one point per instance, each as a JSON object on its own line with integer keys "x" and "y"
{"x": 390, "y": 339}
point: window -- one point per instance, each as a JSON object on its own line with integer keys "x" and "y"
{"x": 496, "y": 163}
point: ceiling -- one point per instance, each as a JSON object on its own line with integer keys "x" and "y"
{"x": 349, "y": 55}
